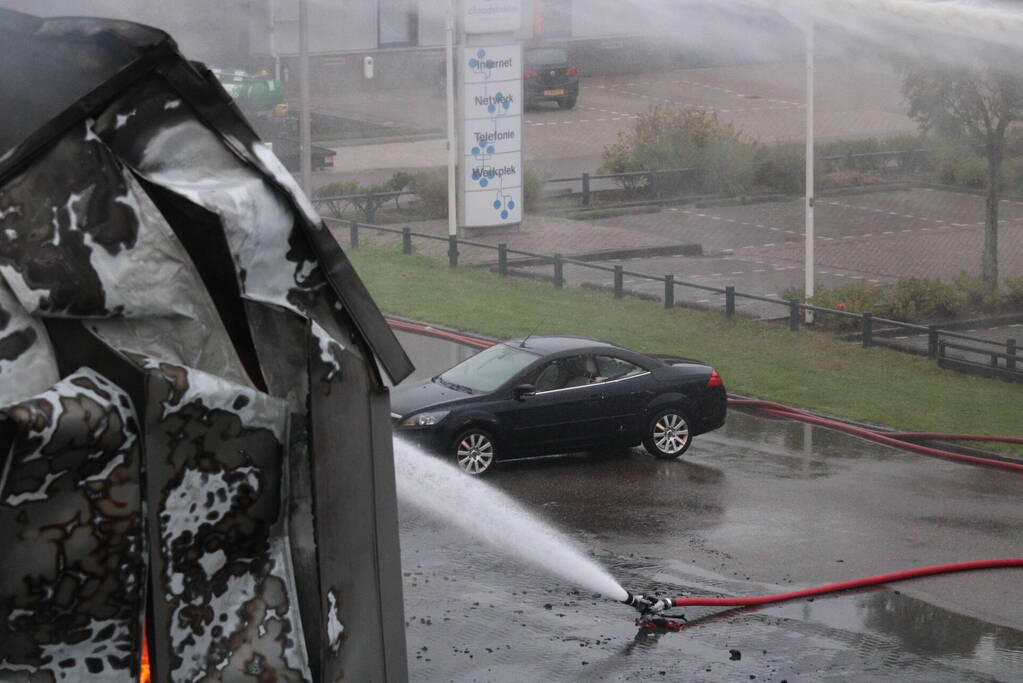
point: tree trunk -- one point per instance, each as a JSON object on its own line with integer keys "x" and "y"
{"x": 989, "y": 257}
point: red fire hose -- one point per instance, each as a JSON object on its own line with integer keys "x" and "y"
{"x": 419, "y": 328}
{"x": 855, "y": 583}
{"x": 904, "y": 440}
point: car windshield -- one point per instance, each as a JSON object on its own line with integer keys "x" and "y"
{"x": 546, "y": 55}
{"x": 488, "y": 369}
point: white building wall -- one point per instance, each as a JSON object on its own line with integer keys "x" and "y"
{"x": 432, "y": 22}
{"x": 334, "y": 25}
{"x": 596, "y": 18}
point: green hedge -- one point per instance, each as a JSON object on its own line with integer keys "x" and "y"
{"x": 915, "y": 300}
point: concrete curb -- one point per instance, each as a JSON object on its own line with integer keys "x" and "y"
{"x": 381, "y": 140}
{"x": 611, "y": 254}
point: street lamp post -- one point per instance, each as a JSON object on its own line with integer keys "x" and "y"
{"x": 304, "y": 130}
{"x": 452, "y": 138}
{"x": 808, "y": 263}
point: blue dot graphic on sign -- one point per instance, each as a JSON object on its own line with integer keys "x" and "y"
{"x": 491, "y": 108}
{"x": 475, "y": 151}
{"x": 511, "y": 204}
{"x": 473, "y": 63}
{"x": 481, "y": 53}
{"x": 497, "y": 203}
{"x": 490, "y": 149}
{"x": 483, "y": 182}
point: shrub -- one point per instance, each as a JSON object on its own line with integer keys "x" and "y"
{"x": 917, "y": 299}
{"x": 978, "y": 295}
{"x": 782, "y": 168}
{"x": 432, "y": 189}
{"x": 366, "y": 200}
{"x": 1014, "y": 291}
{"x": 532, "y": 188}
{"x": 958, "y": 165}
{"x": 674, "y": 138}
{"x": 854, "y": 298}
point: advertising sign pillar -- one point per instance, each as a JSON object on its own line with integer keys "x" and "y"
{"x": 490, "y": 182}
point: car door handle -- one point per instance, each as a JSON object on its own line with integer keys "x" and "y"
{"x": 601, "y": 396}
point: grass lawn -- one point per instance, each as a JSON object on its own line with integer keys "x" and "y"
{"x": 803, "y": 369}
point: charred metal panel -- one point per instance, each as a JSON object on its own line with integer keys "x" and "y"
{"x": 160, "y": 136}
{"x": 222, "y": 570}
{"x": 95, "y": 246}
{"x": 281, "y": 345}
{"x": 156, "y": 255}
{"x": 361, "y": 604}
{"x": 72, "y": 574}
{"x": 27, "y": 362}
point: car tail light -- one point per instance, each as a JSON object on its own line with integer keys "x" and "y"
{"x": 529, "y": 73}
{"x": 715, "y": 379}
{"x": 571, "y": 71}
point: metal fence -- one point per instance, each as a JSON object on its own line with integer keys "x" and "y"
{"x": 664, "y": 184}
{"x": 951, "y": 349}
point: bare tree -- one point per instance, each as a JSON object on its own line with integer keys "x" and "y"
{"x": 976, "y": 103}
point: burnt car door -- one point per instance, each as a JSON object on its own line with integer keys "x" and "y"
{"x": 569, "y": 411}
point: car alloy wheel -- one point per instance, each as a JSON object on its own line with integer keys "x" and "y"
{"x": 474, "y": 451}
{"x": 667, "y": 435}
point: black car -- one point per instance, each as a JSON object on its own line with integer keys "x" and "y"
{"x": 548, "y": 76}
{"x": 541, "y": 395}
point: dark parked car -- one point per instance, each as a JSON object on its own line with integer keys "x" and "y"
{"x": 542, "y": 395}
{"x": 548, "y": 76}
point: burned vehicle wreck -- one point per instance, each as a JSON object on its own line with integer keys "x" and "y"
{"x": 195, "y": 448}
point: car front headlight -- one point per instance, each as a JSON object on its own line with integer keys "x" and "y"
{"x": 425, "y": 419}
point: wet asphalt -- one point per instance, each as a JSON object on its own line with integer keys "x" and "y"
{"x": 761, "y": 506}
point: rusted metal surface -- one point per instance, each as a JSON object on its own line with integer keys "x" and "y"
{"x": 193, "y": 431}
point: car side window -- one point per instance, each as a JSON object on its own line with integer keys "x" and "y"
{"x": 565, "y": 373}
{"x": 609, "y": 368}
{"x": 546, "y": 377}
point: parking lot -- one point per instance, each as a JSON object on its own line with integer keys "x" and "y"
{"x": 766, "y": 101}
{"x": 876, "y": 237}
{"x": 760, "y": 506}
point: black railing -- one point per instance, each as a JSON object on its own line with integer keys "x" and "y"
{"x": 1002, "y": 362}
{"x": 662, "y": 184}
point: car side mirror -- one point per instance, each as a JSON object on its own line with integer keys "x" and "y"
{"x": 524, "y": 390}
